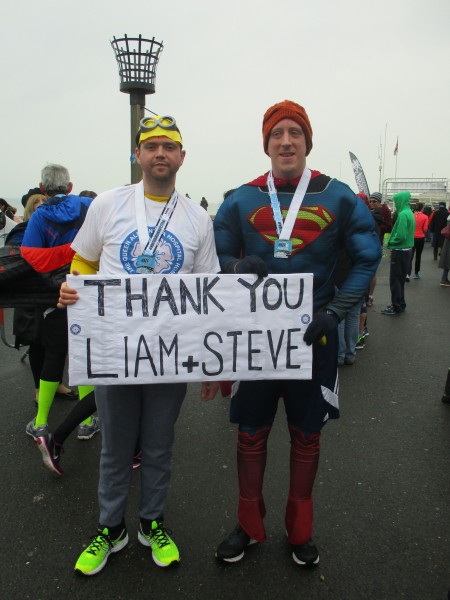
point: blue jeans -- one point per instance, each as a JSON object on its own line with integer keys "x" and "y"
{"x": 348, "y": 332}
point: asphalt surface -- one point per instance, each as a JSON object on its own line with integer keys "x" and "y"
{"x": 382, "y": 495}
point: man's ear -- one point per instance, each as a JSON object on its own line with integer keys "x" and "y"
{"x": 69, "y": 187}
{"x": 41, "y": 187}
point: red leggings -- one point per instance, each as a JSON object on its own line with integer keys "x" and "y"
{"x": 251, "y": 461}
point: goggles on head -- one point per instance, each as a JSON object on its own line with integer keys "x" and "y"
{"x": 150, "y": 123}
{"x": 159, "y": 126}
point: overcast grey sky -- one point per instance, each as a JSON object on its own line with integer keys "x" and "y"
{"x": 356, "y": 67}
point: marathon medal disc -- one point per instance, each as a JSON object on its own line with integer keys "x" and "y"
{"x": 145, "y": 264}
{"x": 283, "y": 249}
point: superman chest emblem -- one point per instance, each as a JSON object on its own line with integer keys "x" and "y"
{"x": 311, "y": 223}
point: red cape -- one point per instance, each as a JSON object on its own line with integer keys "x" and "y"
{"x": 262, "y": 180}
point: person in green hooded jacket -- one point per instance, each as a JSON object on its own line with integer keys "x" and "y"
{"x": 400, "y": 244}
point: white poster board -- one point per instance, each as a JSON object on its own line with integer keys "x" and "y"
{"x": 184, "y": 328}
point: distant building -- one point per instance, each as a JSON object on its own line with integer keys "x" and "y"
{"x": 429, "y": 190}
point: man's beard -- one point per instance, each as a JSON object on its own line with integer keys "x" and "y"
{"x": 166, "y": 176}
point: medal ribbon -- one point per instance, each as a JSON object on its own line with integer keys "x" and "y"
{"x": 284, "y": 230}
{"x": 148, "y": 244}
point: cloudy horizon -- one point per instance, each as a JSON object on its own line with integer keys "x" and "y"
{"x": 367, "y": 74}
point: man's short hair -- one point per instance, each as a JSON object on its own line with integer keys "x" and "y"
{"x": 55, "y": 179}
{"x": 88, "y": 194}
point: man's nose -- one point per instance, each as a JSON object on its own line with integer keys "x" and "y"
{"x": 286, "y": 138}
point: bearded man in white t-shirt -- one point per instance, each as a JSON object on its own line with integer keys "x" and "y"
{"x": 143, "y": 228}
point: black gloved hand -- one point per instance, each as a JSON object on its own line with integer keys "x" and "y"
{"x": 248, "y": 264}
{"x": 323, "y": 322}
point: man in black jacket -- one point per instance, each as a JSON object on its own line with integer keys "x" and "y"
{"x": 438, "y": 222}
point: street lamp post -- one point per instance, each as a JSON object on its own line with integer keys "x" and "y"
{"x": 137, "y": 59}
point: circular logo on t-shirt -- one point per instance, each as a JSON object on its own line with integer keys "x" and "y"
{"x": 169, "y": 255}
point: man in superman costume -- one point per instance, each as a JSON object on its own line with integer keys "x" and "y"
{"x": 328, "y": 224}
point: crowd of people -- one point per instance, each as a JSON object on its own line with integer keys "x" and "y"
{"x": 269, "y": 225}
{"x": 403, "y": 234}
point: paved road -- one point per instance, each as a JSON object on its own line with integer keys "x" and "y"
{"x": 382, "y": 492}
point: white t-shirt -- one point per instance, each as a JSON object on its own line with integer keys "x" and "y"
{"x": 109, "y": 235}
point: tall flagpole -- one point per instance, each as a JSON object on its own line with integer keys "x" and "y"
{"x": 396, "y": 157}
{"x": 384, "y": 152}
{"x": 380, "y": 158}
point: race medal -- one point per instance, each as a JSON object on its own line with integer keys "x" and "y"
{"x": 283, "y": 246}
{"x": 283, "y": 249}
{"x": 145, "y": 264}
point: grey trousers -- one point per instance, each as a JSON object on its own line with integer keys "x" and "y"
{"x": 129, "y": 412}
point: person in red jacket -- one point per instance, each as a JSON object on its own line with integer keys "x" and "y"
{"x": 419, "y": 239}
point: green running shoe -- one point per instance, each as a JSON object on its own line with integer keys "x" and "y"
{"x": 93, "y": 559}
{"x": 164, "y": 549}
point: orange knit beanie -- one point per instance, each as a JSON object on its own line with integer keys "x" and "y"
{"x": 287, "y": 110}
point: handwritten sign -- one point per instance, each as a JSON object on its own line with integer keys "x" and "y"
{"x": 193, "y": 327}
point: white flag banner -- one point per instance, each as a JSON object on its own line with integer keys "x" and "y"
{"x": 193, "y": 327}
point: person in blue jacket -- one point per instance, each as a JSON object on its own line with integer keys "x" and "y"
{"x": 271, "y": 225}
{"x": 46, "y": 247}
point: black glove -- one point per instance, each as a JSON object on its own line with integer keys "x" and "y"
{"x": 323, "y": 322}
{"x": 248, "y": 264}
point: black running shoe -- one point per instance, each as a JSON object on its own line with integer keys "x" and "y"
{"x": 305, "y": 555}
{"x": 390, "y": 310}
{"x": 233, "y": 547}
